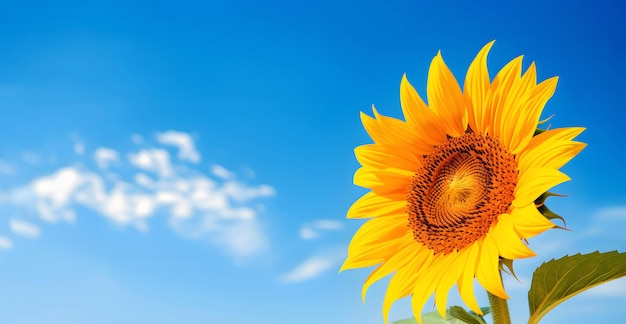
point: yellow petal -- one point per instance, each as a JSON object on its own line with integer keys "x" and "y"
{"x": 514, "y": 110}
{"x": 448, "y": 278}
{"x": 528, "y": 120}
{"x": 549, "y": 150}
{"x": 372, "y": 204}
{"x": 396, "y": 134}
{"x": 528, "y": 221}
{"x": 423, "y": 119}
{"x": 378, "y": 238}
{"x": 531, "y": 185}
{"x": 379, "y": 157}
{"x": 510, "y": 246}
{"x": 553, "y": 135}
{"x": 390, "y": 180}
{"x": 413, "y": 253}
{"x": 466, "y": 281}
{"x": 498, "y": 92}
{"x": 379, "y": 229}
{"x": 551, "y": 156}
{"x": 475, "y": 90}
{"x": 402, "y": 283}
{"x": 367, "y": 254}
{"x": 487, "y": 271}
{"x": 445, "y": 97}
{"x": 428, "y": 280}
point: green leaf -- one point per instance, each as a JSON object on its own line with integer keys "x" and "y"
{"x": 541, "y": 122}
{"x": 506, "y": 265}
{"x": 545, "y": 211}
{"x": 557, "y": 280}
{"x": 463, "y": 315}
{"x": 485, "y": 310}
{"x": 406, "y": 321}
{"x": 454, "y": 315}
{"x": 545, "y": 195}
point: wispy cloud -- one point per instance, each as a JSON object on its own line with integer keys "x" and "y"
{"x": 105, "y": 156}
{"x": 224, "y": 211}
{"x": 314, "y": 266}
{"x": 5, "y": 243}
{"x": 312, "y": 230}
{"x": 612, "y": 213}
{"x": 24, "y": 228}
{"x": 221, "y": 172}
{"x": 307, "y": 233}
{"x": 184, "y": 142}
{"x": 156, "y": 160}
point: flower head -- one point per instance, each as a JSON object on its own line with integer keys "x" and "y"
{"x": 453, "y": 188}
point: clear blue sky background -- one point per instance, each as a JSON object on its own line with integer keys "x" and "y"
{"x": 253, "y": 107}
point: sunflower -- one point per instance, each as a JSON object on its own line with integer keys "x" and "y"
{"x": 453, "y": 188}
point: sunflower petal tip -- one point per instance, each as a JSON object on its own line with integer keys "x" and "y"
{"x": 343, "y": 267}
{"x": 487, "y": 47}
{"x": 442, "y": 311}
{"x": 418, "y": 317}
{"x": 364, "y": 294}
{"x": 553, "y": 81}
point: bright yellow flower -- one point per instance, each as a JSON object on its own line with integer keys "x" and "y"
{"x": 453, "y": 187}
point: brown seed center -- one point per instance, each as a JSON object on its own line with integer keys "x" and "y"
{"x": 459, "y": 192}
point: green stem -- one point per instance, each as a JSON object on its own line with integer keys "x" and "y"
{"x": 499, "y": 309}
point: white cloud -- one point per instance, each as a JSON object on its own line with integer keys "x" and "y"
{"x": 240, "y": 192}
{"x": 144, "y": 180}
{"x": 184, "y": 143}
{"x": 6, "y": 168}
{"x": 612, "y": 213}
{"x": 221, "y": 172}
{"x": 24, "y": 228}
{"x": 104, "y": 156}
{"x": 219, "y": 211}
{"x": 310, "y": 231}
{"x": 307, "y": 233}
{"x": 244, "y": 238}
{"x": 5, "y": 243}
{"x": 53, "y": 193}
{"x": 157, "y": 160}
{"x": 314, "y": 266}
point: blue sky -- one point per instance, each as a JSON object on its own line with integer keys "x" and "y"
{"x": 188, "y": 162}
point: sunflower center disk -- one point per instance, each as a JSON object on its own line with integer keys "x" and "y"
{"x": 461, "y": 189}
